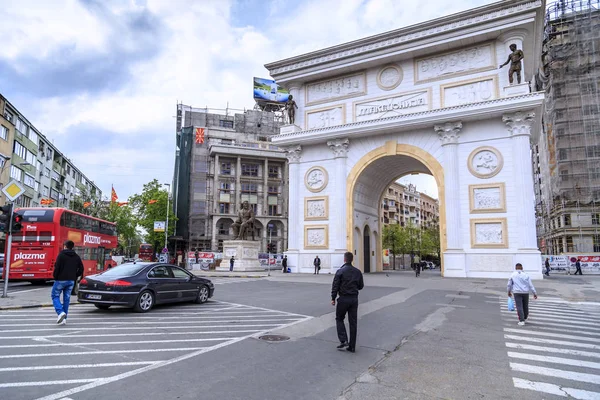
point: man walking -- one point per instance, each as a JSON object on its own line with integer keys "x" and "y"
{"x": 67, "y": 268}
{"x": 547, "y": 267}
{"x": 284, "y": 264}
{"x": 520, "y": 285}
{"x": 347, "y": 282}
{"x": 578, "y": 266}
{"x": 231, "y": 262}
{"x": 317, "y": 264}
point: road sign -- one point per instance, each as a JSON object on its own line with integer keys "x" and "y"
{"x": 163, "y": 258}
{"x": 13, "y": 190}
{"x": 165, "y": 250}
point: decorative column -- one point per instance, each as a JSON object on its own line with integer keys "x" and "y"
{"x": 519, "y": 125}
{"x": 216, "y": 191}
{"x": 293, "y": 155}
{"x": 266, "y": 188}
{"x": 238, "y": 185}
{"x": 449, "y": 134}
{"x": 338, "y": 203}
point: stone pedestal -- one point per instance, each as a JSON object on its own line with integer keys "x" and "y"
{"x": 289, "y": 129}
{"x": 245, "y": 253}
{"x": 517, "y": 89}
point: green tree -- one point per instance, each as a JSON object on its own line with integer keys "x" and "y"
{"x": 96, "y": 208}
{"x": 392, "y": 240}
{"x": 150, "y": 206}
{"x": 411, "y": 240}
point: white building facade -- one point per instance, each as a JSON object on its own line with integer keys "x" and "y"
{"x": 429, "y": 99}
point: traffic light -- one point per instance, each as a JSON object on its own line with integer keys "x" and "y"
{"x": 271, "y": 247}
{"x": 5, "y": 217}
{"x": 16, "y": 222}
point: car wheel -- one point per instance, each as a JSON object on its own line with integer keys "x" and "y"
{"x": 102, "y": 306}
{"x": 144, "y": 302}
{"x": 203, "y": 294}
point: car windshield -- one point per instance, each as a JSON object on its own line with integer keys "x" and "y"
{"x": 129, "y": 269}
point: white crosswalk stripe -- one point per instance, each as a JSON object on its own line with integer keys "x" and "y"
{"x": 557, "y": 352}
{"x": 99, "y": 347}
{"x": 225, "y": 281}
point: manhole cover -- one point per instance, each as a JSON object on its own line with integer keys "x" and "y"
{"x": 274, "y": 338}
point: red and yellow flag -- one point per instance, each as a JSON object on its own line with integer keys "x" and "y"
{"x": 199, "y": 135}
{"x": 152, "y": 201}
{"x": 113, "y": 195}
{"x": 124, "y": 203}
{"x": 46, "y": 202}
{"x": 87, "y": 204}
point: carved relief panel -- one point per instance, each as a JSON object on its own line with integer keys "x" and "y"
{"x": 485, "y": 162}
{"x": 489, "y": 233}
{"x": 316, "y": 237}
{"x": 341, "y": 87}
{"x": 473, "y": 91}
{"x": 316, "y": 208}
{"x": 316, "y": 179}
{"x": 487, "y": 198}
{"x": 382, "y": 107}
{"x": 459, "y": 62}
{"x": 325, "y": 117}
{"x": 389, "y": 77}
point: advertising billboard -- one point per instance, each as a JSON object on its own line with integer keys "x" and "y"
{"x": 159, "y": 226}
{"x": 268, "y": 90}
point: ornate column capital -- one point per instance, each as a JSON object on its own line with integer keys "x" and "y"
{"x": 449, "y": 132}
{"x": 293, "y": 153}
{"x": 519, "y": 123}
{"x": 339, "y": 147}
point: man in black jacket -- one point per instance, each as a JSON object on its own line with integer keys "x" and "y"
{"x": 347, "y": 282}
{"x": 67, "y": 268}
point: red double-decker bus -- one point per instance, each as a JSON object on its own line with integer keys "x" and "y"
{"x": 44, "y": 232}
{"x": 146, "y": 252}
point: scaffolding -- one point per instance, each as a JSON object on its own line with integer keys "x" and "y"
{"x": 568, "y": 155}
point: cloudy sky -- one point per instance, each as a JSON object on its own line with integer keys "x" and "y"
{"x": 101, "y": 78}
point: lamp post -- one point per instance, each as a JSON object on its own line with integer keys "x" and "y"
{"x": 167, "y": 222}
{"x": 270, "y": 227}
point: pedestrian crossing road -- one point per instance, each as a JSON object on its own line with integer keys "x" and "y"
{"x": 557, "y": 352}
{"x": 40, "y": 360}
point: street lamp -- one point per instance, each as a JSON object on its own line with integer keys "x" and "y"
{"x": 167, "y": 222}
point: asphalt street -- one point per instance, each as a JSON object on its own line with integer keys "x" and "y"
{"x": 414, "y": 343}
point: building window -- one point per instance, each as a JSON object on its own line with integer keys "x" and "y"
{"x": 20, "y": 150}
{"x": 16, "y": 173}
{"x": 45, "y": 191}
{"x": 31, "y": 158}
{"x": 570, "y": 247}
{"x": 55, "y": 176}
{"x": 33, "y": 136}
{"x": 595, "y": 219}
{"x": 249, "y": 169}
{"x": 559, "y": 114}
{"x": 274, "y": 172}
{"x": 226, "y": 124}
{"x": 593, "y": 151}
{"x": 588, "y": 88}
{"x": 47, "y": 172}
{"x": 273, "y": 189}
{"x": 3, "y": 132}
{"x": 226, "y": 168}
{"x": 249, "y": 188}
{"x": 24, "y": 201}
{"x": 562, "y": 154}
{"x": 595, "y": 172}
{"x": 224, "y": 208}
{"x": 53, "y": 194}
{"x": 29, "y": 180}
{"x": 223, "y": 229}
{"x": 567, "y": 219}
{"x": 21, "y": 126}
{"x": 590, "y": 109}
{"x": 273, "y": 209}
{"x": 37, "y": 186}
{"x": 564, "y": 175}
{"x": 596, "y": 241}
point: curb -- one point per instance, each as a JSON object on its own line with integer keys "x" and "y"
{"x": 32, "y": 306}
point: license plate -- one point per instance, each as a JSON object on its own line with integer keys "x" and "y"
{"x": 27, "y": 275}
{"x": 94, "y": 296}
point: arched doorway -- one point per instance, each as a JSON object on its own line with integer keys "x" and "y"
{"x": 366, "y": 183}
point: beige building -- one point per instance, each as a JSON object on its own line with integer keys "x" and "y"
{"x": 402, "y": 204}
{"x": 7, "y": 136}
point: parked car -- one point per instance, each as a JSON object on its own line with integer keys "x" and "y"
{"x": 142, "y": 285}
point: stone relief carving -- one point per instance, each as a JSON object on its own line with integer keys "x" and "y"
{"x": 449, "y": 132}
{"x": 342, "y": 87}
{"x": 316, "y": 179}
{"x": 390, "y": 41}
{"x": 486, "y": 198}
{"x": 391, "y": 106}
{"x": 476, "y": 58}
{"x": 490, "y": 262}
{"x": 472, "y": 92}
{"x": 485, "y": 162}
{"x": 339, "y": 147}
{"x": 389, "y": 77}
{"x": 250, "y": 253}
{"x": 316, "y": 237}
{"x": 315, "y": 209}
{"x": 325, "y": 118}
{"x": 488, "y": 233}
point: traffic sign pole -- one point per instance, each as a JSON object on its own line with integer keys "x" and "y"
{"x": 7, "y": 258}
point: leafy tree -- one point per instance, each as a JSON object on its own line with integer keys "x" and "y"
{"x": 412, "y": 239}
{"x": 147, "y": 213}
{"x": 97, "y": 207}
{"x": 392, "y": 240}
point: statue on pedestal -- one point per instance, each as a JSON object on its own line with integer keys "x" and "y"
{"x": 244, "y": 224}
{"x": 514, "y": 59}
{"x": 290, "y": 110}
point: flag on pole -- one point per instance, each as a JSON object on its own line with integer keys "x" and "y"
{"x": 87, "y": 204}
{"x": 199, "y": 135}
{"x": 46, "y": 202}
{"x": 113, "y": 195}
{"x": 152, "y": 201}
{"x": 123, "y": 203}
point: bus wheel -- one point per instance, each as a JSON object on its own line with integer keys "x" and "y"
{"x": 102, "y": 306}
{"x": 144, "y": 302}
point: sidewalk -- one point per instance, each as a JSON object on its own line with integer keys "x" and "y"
{"x": 232, "y": 274}
{"x": 29, "y": 297}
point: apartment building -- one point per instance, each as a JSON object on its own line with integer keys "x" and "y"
{"x": 222, "y": 160}
{"x": 566, "y": 159}
{"x": 403, "y": 203}
{"x": 31, "y": 158}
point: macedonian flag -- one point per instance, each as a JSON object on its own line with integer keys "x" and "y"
{"x": 152, "y": 201}
{"x": 87, "y": 204}
{"x": 199, "y": 135}
{"x": 113, "y": 195}
{"x": 46, "y": 202}
{"x": 124, "y": 203}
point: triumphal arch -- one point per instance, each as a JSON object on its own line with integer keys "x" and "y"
{"x": 429, "y": 98}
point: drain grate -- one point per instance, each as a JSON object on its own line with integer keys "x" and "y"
{"x": 274, "y": 338}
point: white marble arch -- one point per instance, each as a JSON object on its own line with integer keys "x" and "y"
{"x": 362, "y": 157}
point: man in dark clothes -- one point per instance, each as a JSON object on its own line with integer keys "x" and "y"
{"x": 284, "y": 264}
{"x": 578, "y": 267}
{"x": 317, "y": 264}
{"x": 347, "y": 282}
{"x": 67, "y": 268}
{"x": 231, "y": 263}
{"x": 547, "y": 267}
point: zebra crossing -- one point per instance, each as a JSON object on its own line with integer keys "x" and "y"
{"x": 557, "y": 352}
{"x": 44, "y": 361}
{"x": 226, "y": 281}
